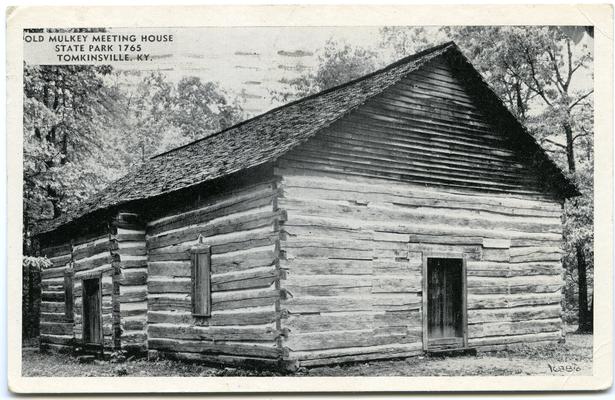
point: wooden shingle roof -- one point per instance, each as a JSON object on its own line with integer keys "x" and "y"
{"x": 250, "y": 143}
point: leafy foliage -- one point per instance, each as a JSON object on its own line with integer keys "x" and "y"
{"x": 538, "y": 72}
{"x": 67, "y": 114}
{"x": 85, "y": 126}
{"x": 149, "y": 125}
{"x": 200, "y": 109}
{"x": 36, "y": 263}
{"x": 404, "y": 41}
{"x": 337, "y": 63}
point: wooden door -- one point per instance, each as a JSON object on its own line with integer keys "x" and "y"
{"x": 445, "y": 303}
{"x": 92, "y": 312}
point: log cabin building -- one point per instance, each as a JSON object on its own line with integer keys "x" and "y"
{"x": 404, "y": 212}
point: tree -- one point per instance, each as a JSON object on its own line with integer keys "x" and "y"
{"x": 161, "y": 115}
{"x": 85, "y": 126}
{"x": 68, "y": 114}
{"x": 149, "y": 128}
{"x": 404, "y": 41}
{"x": 536, "y": 72}
{"x": 202, "y": 108}
{"x": 537, "y": 69}
{"x": 337, "y": 63}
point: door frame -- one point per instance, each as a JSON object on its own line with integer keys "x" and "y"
{"x": 464, "y": 294}
{"x": 101, "y": 337}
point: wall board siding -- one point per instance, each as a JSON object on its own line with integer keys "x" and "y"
{"x": 426, "y": 129}
{"x": 91, "y": 257}
{"x": 240, "y": 225}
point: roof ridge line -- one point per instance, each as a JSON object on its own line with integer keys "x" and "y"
{"x": 388, "y": 67}
{"x": 392, "y": 83}
{"x": 404, "y": 66}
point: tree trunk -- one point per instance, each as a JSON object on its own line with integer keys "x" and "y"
{"x": 520, "y": 103}
{"x": 591, "y": 311}
{"x": 586, "y": 320}
{"x": 572, "y": 165}
{"x": 52, "y": 196}
{"x": 25, "y": 240}
{"x": 585, "y": 313}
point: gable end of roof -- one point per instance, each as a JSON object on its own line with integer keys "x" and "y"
{"x": 268, "y": 136}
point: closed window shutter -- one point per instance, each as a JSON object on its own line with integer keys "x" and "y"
{"x": 68, "y": 294}
{"x": 201, "y": 281}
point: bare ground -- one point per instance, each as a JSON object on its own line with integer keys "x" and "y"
{"x": 572, "y": 358}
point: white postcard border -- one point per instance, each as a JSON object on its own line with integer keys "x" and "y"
{"x": 54, "y": 17}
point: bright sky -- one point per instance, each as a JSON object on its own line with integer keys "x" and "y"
{"x": 252, "y": 59}
{"x": 257, "y": 59}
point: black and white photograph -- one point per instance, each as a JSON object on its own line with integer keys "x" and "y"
{"x": 391, "y": 200}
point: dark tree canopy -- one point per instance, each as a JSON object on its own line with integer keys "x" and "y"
{"x": 85, "y": 126}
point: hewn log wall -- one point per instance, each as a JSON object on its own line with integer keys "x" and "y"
{"x": 115, "y": 253}
{"x": 240, "y": 225}
{"x": 93, "y": 257}
{"x": 56, "y": 331}
{"x": 352, "y": 251}
{"x": 322, "y": 261}
{"x": 417, "y": 170}
{"x": 131, "y": 283}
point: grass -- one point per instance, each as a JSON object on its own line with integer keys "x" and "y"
{"x": 550, "y": 359}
